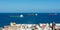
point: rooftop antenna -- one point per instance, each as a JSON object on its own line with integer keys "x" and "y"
{"x": 53, "y": 25}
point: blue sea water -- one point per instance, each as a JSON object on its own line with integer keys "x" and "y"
{"x": 29, "y": 18}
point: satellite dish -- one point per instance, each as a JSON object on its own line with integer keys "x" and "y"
{"x": 21, "y": 16}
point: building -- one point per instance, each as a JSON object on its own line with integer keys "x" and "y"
{"x": 41, "y": 26}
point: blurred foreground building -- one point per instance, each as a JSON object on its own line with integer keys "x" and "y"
{"x": 41, "y": 26}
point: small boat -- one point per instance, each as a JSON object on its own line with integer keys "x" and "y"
{"x": 21, "y": 16}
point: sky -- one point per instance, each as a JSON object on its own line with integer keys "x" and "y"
{"x": 29, "y": 6}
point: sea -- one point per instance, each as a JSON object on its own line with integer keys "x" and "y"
{"x": 28, "y": 18}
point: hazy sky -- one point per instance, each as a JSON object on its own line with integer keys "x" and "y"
{"x": 39, "y": 6}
